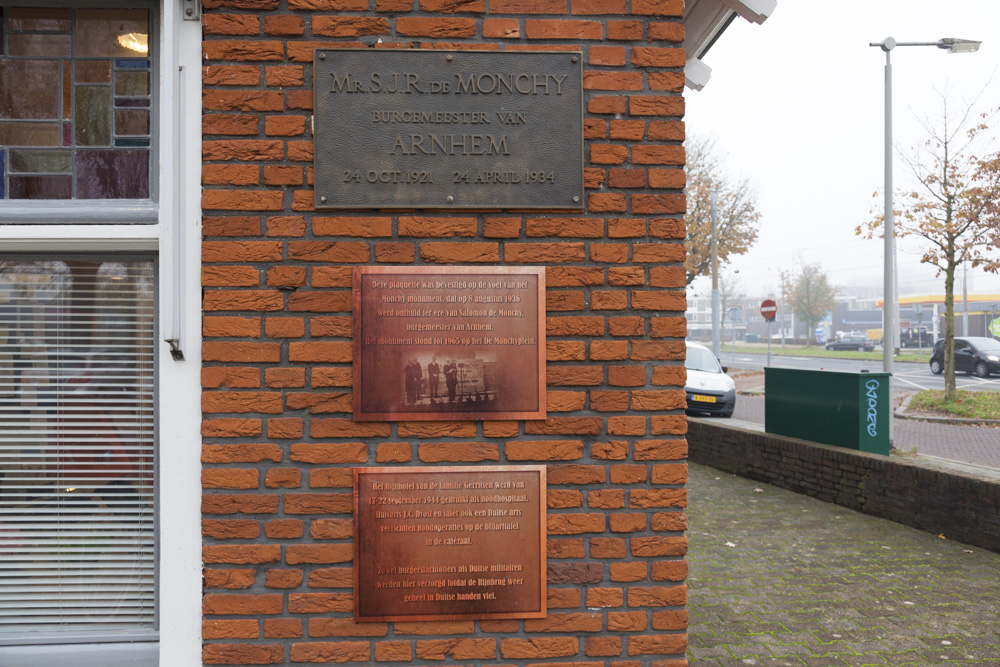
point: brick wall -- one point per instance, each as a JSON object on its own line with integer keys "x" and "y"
{"x": 278, "y": 440}
{"x": 958, "y": 505}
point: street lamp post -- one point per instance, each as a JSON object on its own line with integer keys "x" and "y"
{"x": 890, "y": 317}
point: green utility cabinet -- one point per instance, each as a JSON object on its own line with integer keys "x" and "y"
{"x": 842, "y": 408}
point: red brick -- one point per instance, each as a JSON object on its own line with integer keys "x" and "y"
{"x": 466, "y": 648}
{"x": 230, "y": 376}
{"x": 244, "y": 453}
{"x": 544, "y": 450}
{"x": 231, "y": 225}
{"x": 539, "y": 648}
{"x": 230, "y": 174}
{"x": 241, "y": 554}
{"x": 668, "y": 32}
{"x": 231, "y": 327}
{"x": 242, "y": 603}
{"x": 283, "y": 529}
{"x": 527, "y": 7}
{"x": 219, "y": 628}
{"x": 219, "y": 529}
{"x": 607, "y": 104}
{"x": 283, "y": 578}
{"x": 285, "y": 377}
{"x": 393, "y": 651}
{"x": 237, "y": 50}
{"x": 658, "y": 8}
{"x": 624, "y": 30}
{"x": 446, "y": 252}
{"x": 230, "y": 75}
{"x": 282, "y": 628}
{"x": 611, "y": 7}
{"x": 616, "y": 80}
{"x": 353, "y": 26}
{"x": 231, "y": 24}
{"x": 230, "y": 478}
{"x": 242, "y": 654}
{"x": 436, "y": 27}
{"x": 608, "y": 56}
{"x": 241, "y": 503}
{"x": 562, "y": 29}
{"x": 284, "y": 25}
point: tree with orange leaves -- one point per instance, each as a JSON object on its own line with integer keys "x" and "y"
{"x": 955, "y": 210}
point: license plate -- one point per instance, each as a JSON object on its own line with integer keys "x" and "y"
{"x": 702, "y": 399}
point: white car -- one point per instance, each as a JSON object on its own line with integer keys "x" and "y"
{"x": 709, "y": 390}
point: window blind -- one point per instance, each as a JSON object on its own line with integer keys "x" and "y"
{"x": 77, "y": 522}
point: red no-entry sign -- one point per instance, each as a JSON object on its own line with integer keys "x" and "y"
{"x": 768, "y": 309}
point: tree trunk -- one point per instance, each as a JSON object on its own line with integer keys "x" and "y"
{"x": 950, "y": 392}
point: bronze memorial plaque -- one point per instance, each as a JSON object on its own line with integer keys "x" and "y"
{"x": 448, "y": 543}
{"x": 449, "y": 343}
{"x": 406, "y": 128}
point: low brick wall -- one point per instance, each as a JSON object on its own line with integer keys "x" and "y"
{"x": 961, "y": 506}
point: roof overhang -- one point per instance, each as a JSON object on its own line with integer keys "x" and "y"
{"x": 704, "y": 23}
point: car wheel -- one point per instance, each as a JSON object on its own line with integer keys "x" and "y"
{"x": 982, "y": 370}
{"x": 861, "y": 348}
{"x": 936, "y": 367}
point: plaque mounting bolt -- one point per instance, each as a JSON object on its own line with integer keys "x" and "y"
{"x": 449, "y": 57}
{"x": 449, "y": 199}
{"x": 322, "y": 56}
{"x": 576, "y": 198}
{"x": 323, "y": 199}
{"x": 573, "y": 59}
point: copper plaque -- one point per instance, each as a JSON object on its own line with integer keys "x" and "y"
{"x": 407, "y": 128}
{"x": 449, "y": 543}
{"x": 449, "y": 343}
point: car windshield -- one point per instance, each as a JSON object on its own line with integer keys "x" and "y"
{"x": 983, "y": 344}
{"x": 699, "y": 359}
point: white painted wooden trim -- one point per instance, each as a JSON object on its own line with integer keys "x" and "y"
{"x": 180, "y": 381}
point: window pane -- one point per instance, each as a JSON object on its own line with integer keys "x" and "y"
{"x": 76, "y": 446}
{"x": 65, "y": 77}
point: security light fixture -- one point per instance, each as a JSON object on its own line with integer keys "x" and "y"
{"x": 955, "y": 45}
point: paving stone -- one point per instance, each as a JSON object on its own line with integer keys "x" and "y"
{"x": 801, "y": 572}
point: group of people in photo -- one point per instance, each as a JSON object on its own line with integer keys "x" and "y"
{"x": 416, "y": 384}
{"x": 453, "y": 384}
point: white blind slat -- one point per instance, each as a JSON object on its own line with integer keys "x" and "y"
{"x": 77, "y": 539}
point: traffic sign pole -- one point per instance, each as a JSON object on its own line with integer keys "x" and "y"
{"x": 769, "y": 342}
{"x": 768, "y": 309}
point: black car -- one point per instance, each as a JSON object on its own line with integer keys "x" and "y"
{"x": 976, "y": 355}
{"x": 859, "y": 343}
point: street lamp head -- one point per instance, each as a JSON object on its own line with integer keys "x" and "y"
{"x": 955, "y": 45}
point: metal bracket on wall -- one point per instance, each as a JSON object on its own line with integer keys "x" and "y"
{"x": 191, "y": 10}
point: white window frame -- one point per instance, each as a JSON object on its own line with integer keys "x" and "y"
{"x": 173, "y": 232}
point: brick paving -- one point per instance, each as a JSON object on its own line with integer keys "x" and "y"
{"x": 978, "y": 445}
{"x": 779, "y": 578}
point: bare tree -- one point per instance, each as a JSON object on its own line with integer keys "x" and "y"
{"x": 810, "y": 296}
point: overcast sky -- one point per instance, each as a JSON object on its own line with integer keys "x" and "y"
{"x": 796, "y": 106}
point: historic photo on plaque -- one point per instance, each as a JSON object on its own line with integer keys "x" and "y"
{"x": 406, "y": 128}
{"x": 449, "y": 543}
{"x": 449, "y": 343}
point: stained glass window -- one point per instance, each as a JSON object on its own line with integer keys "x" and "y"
{"x": 75, "y": 103}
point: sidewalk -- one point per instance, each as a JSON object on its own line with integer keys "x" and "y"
{"x": 778, "y": 578}
{"x": 978, "y": 445}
